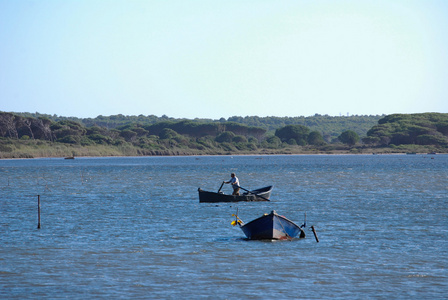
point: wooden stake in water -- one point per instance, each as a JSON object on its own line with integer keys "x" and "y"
{"x": 315, "y": 234}
{"x": 38, "y": 211}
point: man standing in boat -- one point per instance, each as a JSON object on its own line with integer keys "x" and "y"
{"x": 235, "y": 184}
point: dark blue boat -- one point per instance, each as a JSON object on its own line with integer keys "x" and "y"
{"x": 270, "y": 227}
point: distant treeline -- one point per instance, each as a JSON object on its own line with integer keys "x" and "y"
{"x": 151, "y": 135}
{"x": 410, "y": 129}
{"x": 329, "y": 126}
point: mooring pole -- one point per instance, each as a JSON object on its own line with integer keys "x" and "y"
{"x": 38, "y": 211}
{"x": 315, "y": 234}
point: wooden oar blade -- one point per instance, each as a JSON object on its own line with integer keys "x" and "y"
{"x": 254, "y": 193}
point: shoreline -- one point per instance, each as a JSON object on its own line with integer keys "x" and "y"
{"x": 230, "y": 154}
{"x": 33, "y": 149}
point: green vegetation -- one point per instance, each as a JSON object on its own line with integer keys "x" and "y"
{"x": 349, "y": 137}
{"x": 293, "y": 134}
{"x": 413, "y": 129}
{"x": 26, "y": 135}
{"x": 330, "y": 127}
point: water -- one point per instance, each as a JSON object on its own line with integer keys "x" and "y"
{"x": 134, "y": 228}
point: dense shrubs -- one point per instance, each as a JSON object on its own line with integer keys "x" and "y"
{"x": 410, "y": 129}
{"x": 215, "y": 137}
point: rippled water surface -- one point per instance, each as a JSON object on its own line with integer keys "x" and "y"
{"x": 134, "y": 228}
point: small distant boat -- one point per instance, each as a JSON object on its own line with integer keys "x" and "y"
{"x": 432, "y": 153}
{"x": 411, "y": 153}
{"x": 261, "y": 194}
{"x": 270, "y": 227}
{"x": 70, "y": 157}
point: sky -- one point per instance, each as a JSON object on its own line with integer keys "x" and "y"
{"x": 223, "y": 58}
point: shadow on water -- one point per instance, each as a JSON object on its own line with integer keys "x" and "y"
{"x": 243, "y": 239}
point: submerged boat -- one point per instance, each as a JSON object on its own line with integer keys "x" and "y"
{"x": 261, "y": 194}
{"x": 270, "y": 227}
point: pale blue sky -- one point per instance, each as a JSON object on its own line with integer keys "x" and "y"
{"x": 223, "y": 58}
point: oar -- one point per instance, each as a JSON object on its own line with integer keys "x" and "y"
{"x": 254, "y": 193}
{"x": 221, "y": 186}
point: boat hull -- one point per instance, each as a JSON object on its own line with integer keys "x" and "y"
{"x": 213, "y": 197}
{"x": 272, "y": 227}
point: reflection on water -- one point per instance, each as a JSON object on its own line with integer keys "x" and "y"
{"x": 133, "y": 227}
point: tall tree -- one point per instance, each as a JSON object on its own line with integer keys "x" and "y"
{"x": 296, "y": 132}
{"x": 349, "y": 137}
{"x": 8, "y": 121}
{"x": 315, "y": 138}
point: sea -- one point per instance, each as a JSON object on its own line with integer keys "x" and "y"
{"x": 133, "y": 228}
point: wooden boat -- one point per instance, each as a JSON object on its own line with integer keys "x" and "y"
{"x": 270, "y": 227}
{"x": 261, "y": 194}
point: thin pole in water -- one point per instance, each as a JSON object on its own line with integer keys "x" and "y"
{"x": 38, "y": 211}
{"x": 315, "y": 234}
